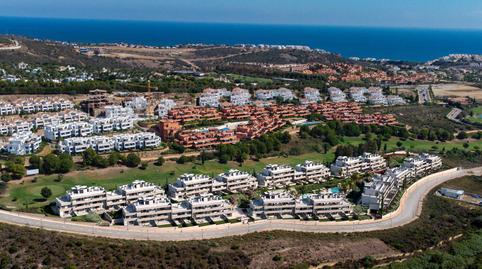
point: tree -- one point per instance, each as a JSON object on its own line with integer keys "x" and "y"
{"x": 50, "y": 164}
{"x": 160, "y": 161}
{"x": 35, "y": 162}
{"x": 66, "y": 164}
{"x": 89, "y": 157}
{"x": 46, "y": 192}
{"x": 16, "y": 170}
{"x": 462, "y": 135}
{"x": 114, "y": 158}
{"x": 144, "y": 165}
{"x": 132, "y": 160}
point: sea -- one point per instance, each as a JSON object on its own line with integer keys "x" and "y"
{"x": 407, "y": 44}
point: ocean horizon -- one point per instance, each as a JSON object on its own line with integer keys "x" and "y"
{"x": 408, "y": 44}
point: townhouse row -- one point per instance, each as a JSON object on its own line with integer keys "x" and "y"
{"x": 104, "y": 144}
{"x": 382, "y": 190}
{"x": 23, "y": 143}
{"x": 84, "y": 129}
{"x": 345, "y": 166}
{"x": 278, "y": 204}
{"x": 30, "y": 106}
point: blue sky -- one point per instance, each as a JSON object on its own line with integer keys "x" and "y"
{"x": 382, "y": 13}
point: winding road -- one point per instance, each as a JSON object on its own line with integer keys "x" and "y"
{"x": 409, "y": 210}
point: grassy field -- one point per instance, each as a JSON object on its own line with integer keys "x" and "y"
{"x": 248, "y": 80}
{"x": 469, "y": 184}
{"x": 27, "y": 194}
{"x": 477, "y": 115}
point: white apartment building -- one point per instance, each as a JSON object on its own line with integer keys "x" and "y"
{"x": 164, "y": 106}
{"x": 148, "y": 211}
{"x": 80, "y": 200}
{"x": 137, "y": 103}
{"x": 208, "y": 207}
{"x": 285, "y": 94}
{"x": 336, "y": 95}
{"x": 311, "y": 95}
{"x": 103, "y": 144}
{"x": 313, "y": 172}
{"x": 281, "y": 204}
{"x": 322, "y": 204}
{"x": 423, "y": 163}
{"x": 188, "y": 185}
{"x": 278, "y": 176}
{"x": 240, "y": 97}
{"x": 395, "y": 100}
{"x": 264, "y": 95}
{"x": 23, "y": 143}
{"x": 347, "y": 166}
{"x": 376, "y": 96}
{"x": 62, "y": 117}
{"x": 7, "y": 109}
{"x": 43, "y": 105}
{"x": 16, "y": 127}
{"x": 235, "y": 181}
{"x": 77, "y": 145}
{"x": 105, "y": 125}
{"x": 358, "y": 94}
{"x": 381, "y": 191}
{"x": 115, "y": 111}
{"x": 138, "y": 189}
{"x": 66, "y": 130}
{"x": 211, "y": 97}
{"x": 141, "y": 140}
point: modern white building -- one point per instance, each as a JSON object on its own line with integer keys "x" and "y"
{"x": 278, "y": 176}
{"x": 313, "y": 172}
{"x": 380, "y": 192}
{"x": 212, "y": 97}
{"x": 357, "y": 94}
{"x": 106, "y": 125}
{"x": 66, "y": 130}
{"x": 115, "y": 111}
{"x": 282, "y": 204}
{"x": 164, "y": 106}
{"x": 376, "y": 96}
{"x": 336, "y": 95}
{"x": 311, "y": 95}
{"x": 103, "y": 144}
{"x": 240, "y": 97}
{"x": 395, "y": 100}
{"x": 80, "y": 200}
{"x": 346, "y": 166}
{"x": 137, "y": 103}
{"x": 23, "y": 143}
{"x": 148, "y": 211}
{"x": 15, "y": 127}
{"x": 188, "y": 185}
{"x": 208, "y": 207}
{"x": 235, "y": 181}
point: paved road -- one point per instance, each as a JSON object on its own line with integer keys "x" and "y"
{"x": 409, "y": 210}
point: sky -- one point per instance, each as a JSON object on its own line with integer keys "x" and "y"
{"x": 378, "y": 13}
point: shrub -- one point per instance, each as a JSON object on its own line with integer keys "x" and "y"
{"x": 132, "y": 160}
{"x": 46, "y": 192}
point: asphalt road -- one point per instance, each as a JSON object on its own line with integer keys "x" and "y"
{"x": 409, "y": 210}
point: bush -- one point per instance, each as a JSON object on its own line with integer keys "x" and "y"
{"x": 144, "y": 165}
{"x": 46, "y": 192}
{"x": 132, "y": 160}
{"x": 160, "y": 161}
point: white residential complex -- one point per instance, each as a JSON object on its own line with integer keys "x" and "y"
{"x": 347, "y": 166}
{"x": 102, "y": 144}
{"x": 114, "y": 111}
{"x": 278, "y": 176}
{"x": 380, "y": 192}
{"x": 282, "y": 204}
{"x": 66, "y": 130}
{"x": 23, "y": 143}
{"x": 164, "y": 106}
{"x": 240, "y": 97}
{"x": 236, "y": 181}
{"x": 212, "y": 97}
{"x": 30, "y": 106}
{"x": 283, "y": 93}
{"x": 158, "y": 210}
{"x": 311, "y": 95}
{"x": 336, "y": 95}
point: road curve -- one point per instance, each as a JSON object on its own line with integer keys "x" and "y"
{"x": 409, "y": 209}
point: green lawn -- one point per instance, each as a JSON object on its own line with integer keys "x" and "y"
{"x": 247, "y": 79}
{"x": 477, "y": 115}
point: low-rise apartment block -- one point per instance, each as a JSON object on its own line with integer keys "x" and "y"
{"x": 236, "y": 181}
{"x": 206, "y": 138}
{"x": 188, "y": 185}
{"x": 278, "y": 176}
{"x": 240, "y": 97}
{"x": 313, "y": 172}
{"x": 80, "y": 200}
{"x": 116, "y": 111}
{"x": 164, "y": 106}
{"x": 104, "y": 144}
{"x": 347, "y": 166}
{"x": 66, "y": 130}
{"x": 381, "y": 191}
{"x": 23, "y": 143}
{"x": 336, "y": 95}
{"x": 311, "y": 95}
{"x": 283, "y": 204}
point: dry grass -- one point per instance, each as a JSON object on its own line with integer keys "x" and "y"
{"x": 457, "y": 90}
